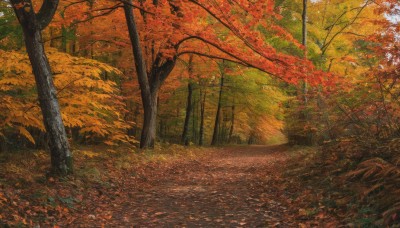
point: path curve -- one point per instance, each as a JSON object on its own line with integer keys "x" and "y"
{"x": 233, "y": 188}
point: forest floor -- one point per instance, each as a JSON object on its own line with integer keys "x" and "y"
{"x": 221, "y": 187}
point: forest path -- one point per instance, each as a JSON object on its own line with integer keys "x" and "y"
{"x": 232, "y": 187}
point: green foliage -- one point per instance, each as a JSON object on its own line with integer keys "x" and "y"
{"x": 256, "y": 101}
{"x": 10, "y": 31}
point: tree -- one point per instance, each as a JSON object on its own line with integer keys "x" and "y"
{"x": 91, "y": 106}
{"x": 32, "y": 24}
{"x": 163, "y": 31}
{"x": 304, "y": 42}
{"x": 330, "y": 31}
{"x": 203, "y": 97}
{"x": 189, "y": 104}
{"x": 215, "y": 138}
{"x": 149, "y": 84}
{"x": 185, "y": 30}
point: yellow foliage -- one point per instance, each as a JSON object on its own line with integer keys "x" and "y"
{"x": 88, "y": 102}
{"x": 26, "y": 134}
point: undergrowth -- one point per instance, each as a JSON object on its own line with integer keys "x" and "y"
{"x": 29, "y": 196}
{"x": 357, "y": 182}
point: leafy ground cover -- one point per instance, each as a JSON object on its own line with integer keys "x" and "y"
{"x": 232, "y": 186}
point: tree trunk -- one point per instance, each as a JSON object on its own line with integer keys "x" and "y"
{"x": 61, "y": 157}
{"x": 202, "y": 110}
{"x": 149, "y": 102}
{"x": 149, "y": 129}
{"x": 232, "y": 123}
{"x": 251, "y": 138}
{"x": 189, "y": 108}
{"x": 304, "y": 23}
{"x": 32, "y": 24}
{"x": 159, "y": 127}
{"x": 135, "y": 110}
{"x": 215, "y": 139}
{"x": 222, "y": 138}
{"x": 194, "y": 121}
{"x": 309, "y": 134}
{"x": 304, "y": 42}
{"x": 149, "y": 83}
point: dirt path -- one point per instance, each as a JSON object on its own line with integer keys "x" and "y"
{"x": 233, "y": 187}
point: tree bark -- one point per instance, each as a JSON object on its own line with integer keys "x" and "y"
{"x": 232, "y": 123}
{"x": 149, "y": 83}
{"x": 309, "y": 134}
{"x": 202, "y": 112}
{"x": 189, "y": 105}
{"x": 149, "y": 102}
{"x": 215, "y": 139}
{"x": 149, "y": 129}
{"x": 304, "y": 42}
{"x": 304, "y": 23}
{"x": 32, "y": 24}
{"x": 194, "y": 120}
{"x": 61, "y": 157}
{"x": 189, "y": 108}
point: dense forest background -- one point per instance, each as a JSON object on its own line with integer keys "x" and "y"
{"x": 140, "y": 74}
{"x": 89, "y": 51}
